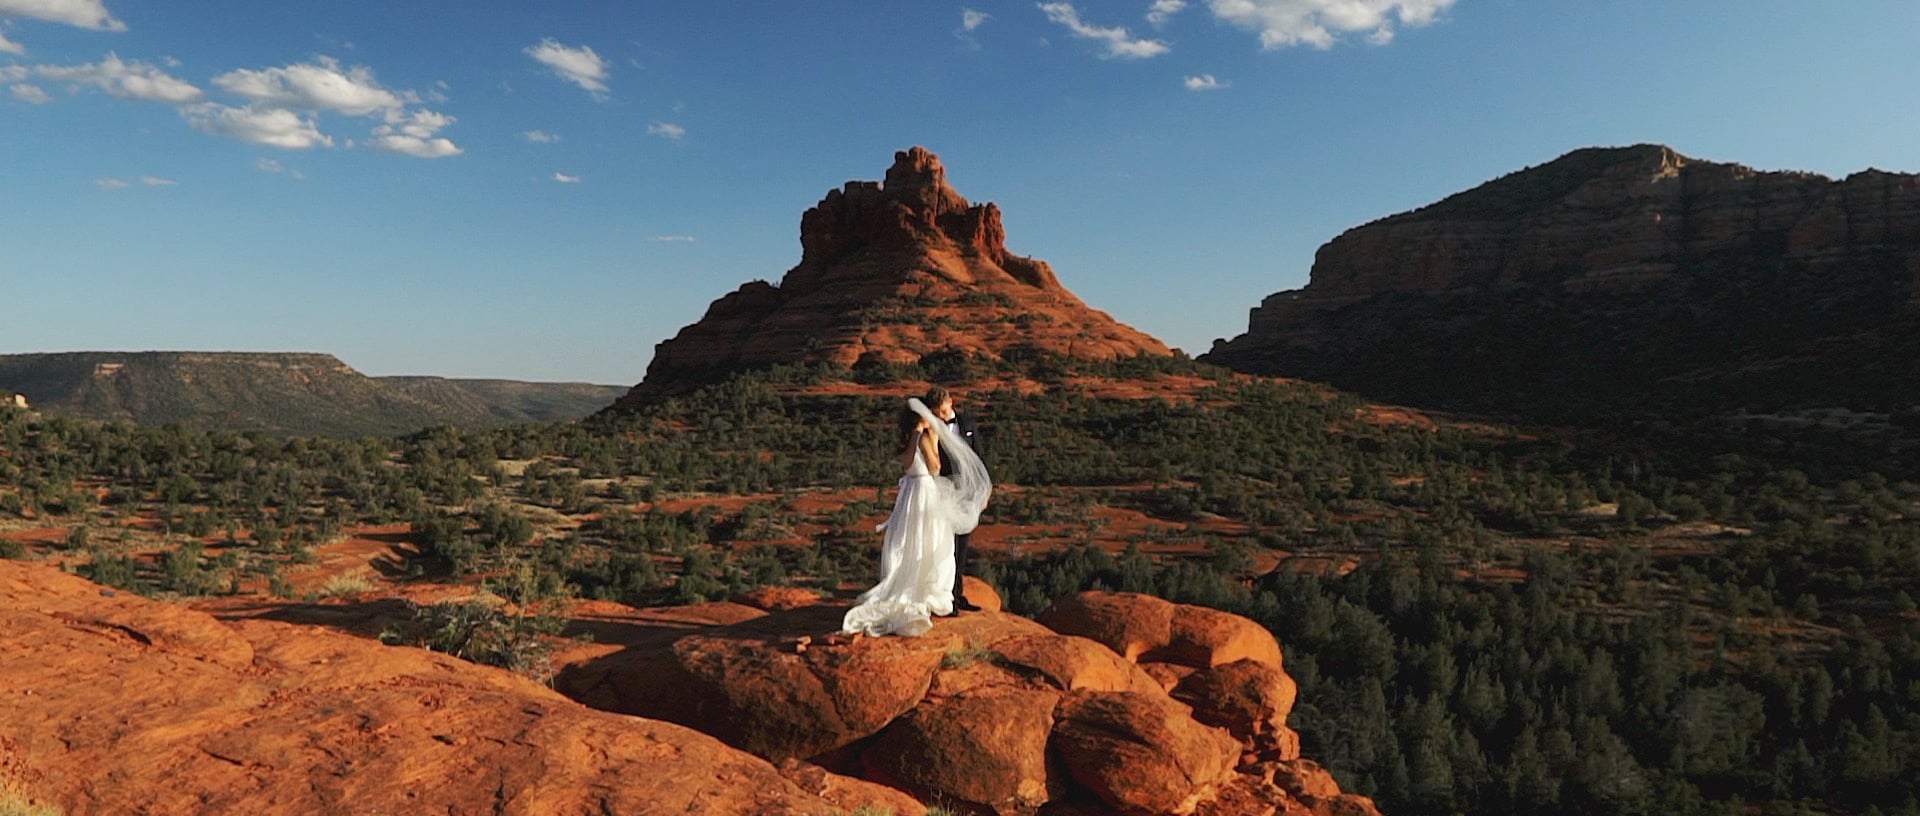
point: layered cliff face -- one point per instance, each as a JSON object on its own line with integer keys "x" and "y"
{"x": 1614, "y": 278}
{"x": 890, "y": 271}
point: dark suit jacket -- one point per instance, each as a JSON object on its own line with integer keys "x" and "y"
{"x": 963, "y": 423}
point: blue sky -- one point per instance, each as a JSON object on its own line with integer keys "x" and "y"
{"x": 546, "y": 190}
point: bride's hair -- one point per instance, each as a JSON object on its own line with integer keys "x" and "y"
{"x": 909, "y": 429}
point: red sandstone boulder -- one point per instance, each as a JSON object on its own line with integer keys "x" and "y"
{"x": 111, "y": 703}
{"x": 1248, "y": 698}
{"x": 849, "y": 793}
{"x": 1168, "y": 675}
{"x": 988, "y": 747}
{"x": 1202, "y": 637}
{"x": 989, "y": 711}
{"x": 1128, "y": 623}
{"x": 981, "y": 593}
{"x": 1074, "y": 663}
{"x": 1141, "y": 753}
{"x": 1151, "y": 630}
{"x": 779, "y": 704}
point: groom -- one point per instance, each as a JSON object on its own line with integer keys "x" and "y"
{"x": 941, "y": 403}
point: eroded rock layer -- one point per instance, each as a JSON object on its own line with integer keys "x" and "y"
{"x": 1616, "y": 278}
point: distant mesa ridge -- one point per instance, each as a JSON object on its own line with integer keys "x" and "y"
{"x": 279, "y": 393}
{"x": 1614, "y": 277}
{"x": 890, "y": 271}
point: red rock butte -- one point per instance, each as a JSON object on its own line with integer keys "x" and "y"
{"x": 890, "y": 271}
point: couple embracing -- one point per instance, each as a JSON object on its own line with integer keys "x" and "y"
{"x": 941, "y": 496}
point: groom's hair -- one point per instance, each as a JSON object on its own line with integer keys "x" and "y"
{"x": 935, "y": 396}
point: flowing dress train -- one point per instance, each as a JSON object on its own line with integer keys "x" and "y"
{"x": 916, "y": 562}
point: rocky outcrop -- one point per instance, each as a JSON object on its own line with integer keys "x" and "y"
{"x": 989, "y": 711}
{"x": 111, "y": 703}
{"x": 1615, "y": 277}
{"x": 890, "y": 271}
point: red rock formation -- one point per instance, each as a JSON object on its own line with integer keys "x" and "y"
{"x": 111, "y": 703}
{"x": 892, "y": 271}
{"x": 1142, "y": 753}
{"x": 988, "y": 710}
{"x": 1636, "y": 265}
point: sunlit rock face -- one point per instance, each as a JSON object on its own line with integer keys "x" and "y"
{"x": 892, "y": 270}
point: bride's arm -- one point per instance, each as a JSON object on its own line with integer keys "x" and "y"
{"x": 930, "y": 450}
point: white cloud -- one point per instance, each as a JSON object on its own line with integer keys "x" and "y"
{"x": 121, "y": 184}
{"x": 666, "y": 130}
{"x": 540, "y": 137}
{"x": 127, "y": 80}
{"x": 1163, "y": 10}
{"x": 82, "y": 13}
{"x": 1205, "y": 82}
{"x": 412, "y": 134}
{"x": 266, "y": 165}
{"x": 970, "y": 20}
{"x": 31, "y": 94}
{"x": 318, "y": 85}
{"x": 580, "y": 66}
{"x": 1119, "y": 42}
{"x": 273, "y": 127}
{"x": 671, "y": 239}
{"x": 1320, "y": 23}
{"x": 564, "y": 178}
{"x": 323, "y": 85}
{"x": 10, "y": 47}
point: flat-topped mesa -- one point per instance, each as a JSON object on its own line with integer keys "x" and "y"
{"x": 1625, "y": 263}
{"x": 1597, "y": 217}
{"x": 891, "y": 271}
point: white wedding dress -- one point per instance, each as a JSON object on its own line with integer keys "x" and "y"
{"x": 916, "y": 556}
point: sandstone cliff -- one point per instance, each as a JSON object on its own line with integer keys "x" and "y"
{"x": 890, "y": 271}
{"x": 1615, "y": 278}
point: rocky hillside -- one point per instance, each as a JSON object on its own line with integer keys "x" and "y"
{"x": 280, "y": 393}
{"x": 1616, "y": 279}
{"x": 890, "y": 271}
{"x": 111, "y": 703}
{"x": 509, "y": 400}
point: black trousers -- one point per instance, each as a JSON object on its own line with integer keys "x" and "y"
{"x": 960, "y": 543}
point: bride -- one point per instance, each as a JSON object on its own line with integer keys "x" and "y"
{"x": 916, "y": 556}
